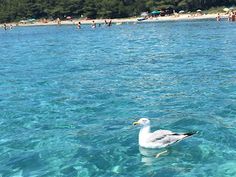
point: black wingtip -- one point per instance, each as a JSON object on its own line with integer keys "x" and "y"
{"x": 191, "y": 133}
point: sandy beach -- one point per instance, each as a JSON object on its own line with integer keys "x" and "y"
{"x": 124, "y": 20}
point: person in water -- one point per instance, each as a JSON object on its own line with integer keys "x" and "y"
{"x": 93, "y": 24}
{"x": 233, "y": 17}
{"x": 5, "y": 26}
{"x": 109, "y": 24}
{"x": 79, "y": 25}
{"x": 230, "y": 17}
{"x": 218, "y": 17}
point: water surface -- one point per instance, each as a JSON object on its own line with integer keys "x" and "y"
{"x": 68, "y": 98}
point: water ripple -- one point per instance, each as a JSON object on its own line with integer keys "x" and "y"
{"x": 68, "y": 98}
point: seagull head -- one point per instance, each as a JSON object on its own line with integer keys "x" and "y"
{"x": 142, "y": 122}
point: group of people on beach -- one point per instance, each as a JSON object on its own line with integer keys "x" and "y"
{"x": 231, "y": 17}
{"x": 94, "y": 25}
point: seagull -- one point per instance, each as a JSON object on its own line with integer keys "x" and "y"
{"x": 159, "y": 138}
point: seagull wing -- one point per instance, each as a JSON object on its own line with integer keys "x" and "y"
{"x": 163, "y": 138}
{"x": 159, "y": 134}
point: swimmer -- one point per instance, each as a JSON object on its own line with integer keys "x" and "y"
{"x": 106, "y": 22}
{"x": 5, "y": 26}
{"x": 218, "y": 17}
{"x": 93, "y": 24}
{"x": 109, "y": 24}
{"x": 233, "y": 17}
{"x": 229, "y": 17}
{"x": 79, "y": 25}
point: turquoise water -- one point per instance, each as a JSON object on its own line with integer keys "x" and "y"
{"x": 68, "y": 98}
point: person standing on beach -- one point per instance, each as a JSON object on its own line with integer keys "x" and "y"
{"x": 58, "y": 21}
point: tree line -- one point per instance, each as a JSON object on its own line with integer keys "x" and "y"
{"x": 15, "y": 10}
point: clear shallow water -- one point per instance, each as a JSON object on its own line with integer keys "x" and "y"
{"x": 68, "y": 98}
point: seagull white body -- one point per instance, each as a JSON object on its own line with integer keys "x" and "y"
{"x": 159, "y": 138}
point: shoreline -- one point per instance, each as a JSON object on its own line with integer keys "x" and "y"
{"x": 179, "y": 17}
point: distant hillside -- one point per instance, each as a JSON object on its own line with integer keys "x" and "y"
{"x": 13, "y": 10}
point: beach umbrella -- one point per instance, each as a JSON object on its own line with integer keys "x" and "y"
{"x": 23, "y": 21}
{"x": 232, "y": 8}
{"x": 31, "y": 20}
{"x": 226, "y": 9}
{"x": 155, "y": 12}
{"x": 181, "y": 12}
{"x": 199, "y": 10}
{"x": 68, "y": 17}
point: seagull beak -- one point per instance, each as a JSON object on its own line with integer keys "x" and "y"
{"x": 136, "y": 123}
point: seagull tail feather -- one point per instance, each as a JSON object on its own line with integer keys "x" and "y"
{"x": 191, "y": 133}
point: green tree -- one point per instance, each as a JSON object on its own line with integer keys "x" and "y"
{"x": 13, "y": 10}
